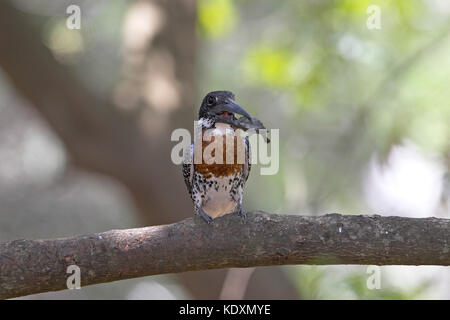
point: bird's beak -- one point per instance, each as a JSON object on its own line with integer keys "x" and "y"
{"x": 231, "y": 107}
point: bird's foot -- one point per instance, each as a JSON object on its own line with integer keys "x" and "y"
{"x": 241, "y": 212}
{"x": 205, "y": 216}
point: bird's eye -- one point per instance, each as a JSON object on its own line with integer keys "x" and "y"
{"x": 211, "y": 100}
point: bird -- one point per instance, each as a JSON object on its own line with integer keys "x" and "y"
{"x": 216, "y": 187}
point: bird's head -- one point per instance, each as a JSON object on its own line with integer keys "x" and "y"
{"x": 220, "y": 104}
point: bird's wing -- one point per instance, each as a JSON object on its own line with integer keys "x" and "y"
{"x": 188, "y": 167}
{"x": 247, "y": 164}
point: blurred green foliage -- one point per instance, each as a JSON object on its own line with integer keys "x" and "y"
{"x": 315, "y": 282}
{"x": 340, "y": 94}
{"x": 216, "y": 17}
{"x": 269, "y": 66}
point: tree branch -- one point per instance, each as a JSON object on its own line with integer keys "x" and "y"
{"x": 33, "y": 266}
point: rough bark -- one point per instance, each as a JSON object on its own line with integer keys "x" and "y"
{"x": 32, "y": 266}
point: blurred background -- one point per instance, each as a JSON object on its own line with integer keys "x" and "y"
{"x": 364, "y": 117}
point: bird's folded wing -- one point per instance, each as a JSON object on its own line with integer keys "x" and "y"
{"x": 188, "y": 166}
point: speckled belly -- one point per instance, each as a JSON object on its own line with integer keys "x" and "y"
{"x": 217, "y": 199}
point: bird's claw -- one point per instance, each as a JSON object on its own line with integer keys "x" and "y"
{"x": 241, "y": 212}
{"x": 205, "y": 216}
